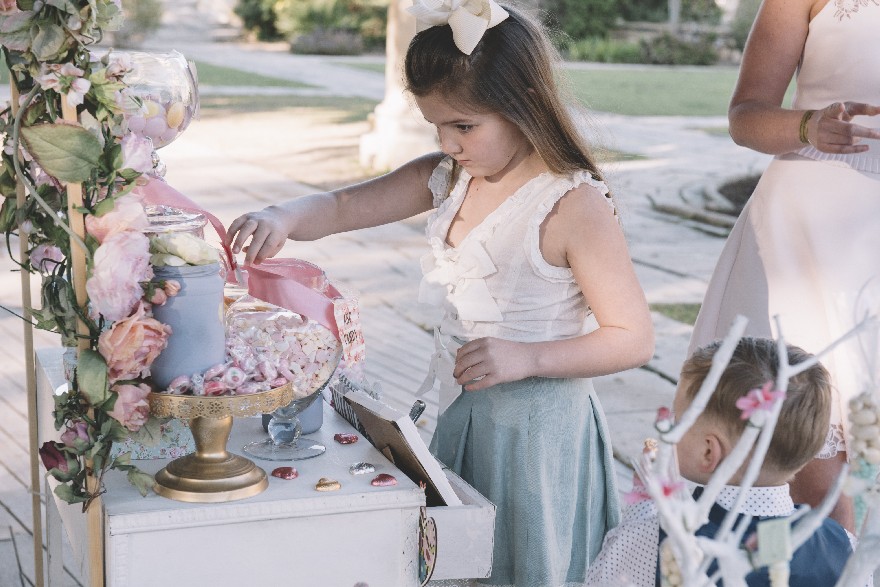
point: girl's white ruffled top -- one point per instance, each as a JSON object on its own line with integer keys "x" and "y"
{"x": 496, "y": 282}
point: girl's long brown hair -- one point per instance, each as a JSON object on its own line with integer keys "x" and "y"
{"x": 512, "y": 73}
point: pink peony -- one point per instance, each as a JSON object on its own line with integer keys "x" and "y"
{"x": 127, "y": 214}
{"x": 131, "y": 345}
{"x": 46, "y": 257}
{"x": 121, "y": 263}
{"x": 131, "y": 407}
{"x": 137, "y": 153}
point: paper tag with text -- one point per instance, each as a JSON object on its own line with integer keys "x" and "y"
{"x": 348, "y": 320}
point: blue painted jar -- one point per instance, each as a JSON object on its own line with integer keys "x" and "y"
{"x": 195, "y": 315}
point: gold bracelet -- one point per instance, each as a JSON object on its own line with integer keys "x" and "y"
{"x": 803, "y": 129}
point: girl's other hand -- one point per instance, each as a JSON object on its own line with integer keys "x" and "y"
{"x": 266, "y": 230}
{"x": 832, "y": 131}
{"x": 485, "y": 362}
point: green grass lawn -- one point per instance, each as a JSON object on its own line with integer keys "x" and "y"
{"x": 216, "y": 75}
{"x": 660, "y": 91}
{"x": 377, "y": 67}
{"x": 686, "y": 313}
{"x": 655, "y": 92}
{"x": 347, "y": 109}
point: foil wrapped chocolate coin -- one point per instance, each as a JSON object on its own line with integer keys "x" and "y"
{"x": 361, "y": 468}
{"x": 285, "y": 473}
{"x": 345, "y": 438}
{"x": 325, "y": 484}
{"x": 383, "y": 480}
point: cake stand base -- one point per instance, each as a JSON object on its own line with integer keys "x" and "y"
{"x": 211, "y": 474}
{"x": 192, "y": 479}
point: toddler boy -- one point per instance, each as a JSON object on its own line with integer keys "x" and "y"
{"x": 630, "y": 551}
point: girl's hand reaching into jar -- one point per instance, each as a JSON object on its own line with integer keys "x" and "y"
{"x": 832, "y": 129}
{"x": 266, "y": 229}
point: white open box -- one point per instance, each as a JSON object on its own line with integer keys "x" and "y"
{"x": 465, "y": 531}
{"x": 465, "y": 534}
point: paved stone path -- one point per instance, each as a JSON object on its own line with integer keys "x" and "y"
{"x": 235, "y": 164}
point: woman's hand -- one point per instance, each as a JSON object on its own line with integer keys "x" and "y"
{"x": 485, "y": 362}
{"x": 267, "y": 230}
{"x": 832, "y": 131}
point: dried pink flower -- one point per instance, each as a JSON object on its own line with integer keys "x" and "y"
{"x": 77, "y": 430}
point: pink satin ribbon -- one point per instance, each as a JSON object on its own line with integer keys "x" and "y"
{"x": 281, "y": 282}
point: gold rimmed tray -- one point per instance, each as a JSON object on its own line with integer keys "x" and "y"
{"x": 211, "y": 474}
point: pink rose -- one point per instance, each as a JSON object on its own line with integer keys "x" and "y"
{"x": 127, "y": 214}
{"x": 159, "y": 297}
{"x": 131, "y": 408}
{"x": 46, "y": 257}
{"x": 121, "y": 263}
{"x": 131, "y": 345}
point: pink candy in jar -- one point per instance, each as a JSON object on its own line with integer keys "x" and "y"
{"x": 276, "y": 346}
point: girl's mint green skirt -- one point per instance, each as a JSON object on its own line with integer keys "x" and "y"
{"x": 539, "y": 450}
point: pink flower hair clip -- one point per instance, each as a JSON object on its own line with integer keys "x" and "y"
{"x": 758, "y": 402}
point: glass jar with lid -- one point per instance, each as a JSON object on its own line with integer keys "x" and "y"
{"x": 168, "y": 219}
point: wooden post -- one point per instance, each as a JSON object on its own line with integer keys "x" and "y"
{"x": 95, "y": 512}
{"x": 30, "y": 374}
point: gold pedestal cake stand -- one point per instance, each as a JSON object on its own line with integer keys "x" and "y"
{"x": 211, "y": 474}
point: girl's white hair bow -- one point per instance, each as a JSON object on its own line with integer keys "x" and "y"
{"x": 468, "y": 19}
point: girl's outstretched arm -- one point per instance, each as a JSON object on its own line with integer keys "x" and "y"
{"x": 757, "y": 117}
{"x": 581, "y": 232}
{"x": 394, "y": 196}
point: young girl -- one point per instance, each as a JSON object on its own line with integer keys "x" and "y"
{"x": 525, "y": 246}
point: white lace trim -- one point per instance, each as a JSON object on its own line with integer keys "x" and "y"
{"x": 438, "y": 183}
{"x": 533, "y": 239}
{"x": 835, "y": 442}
